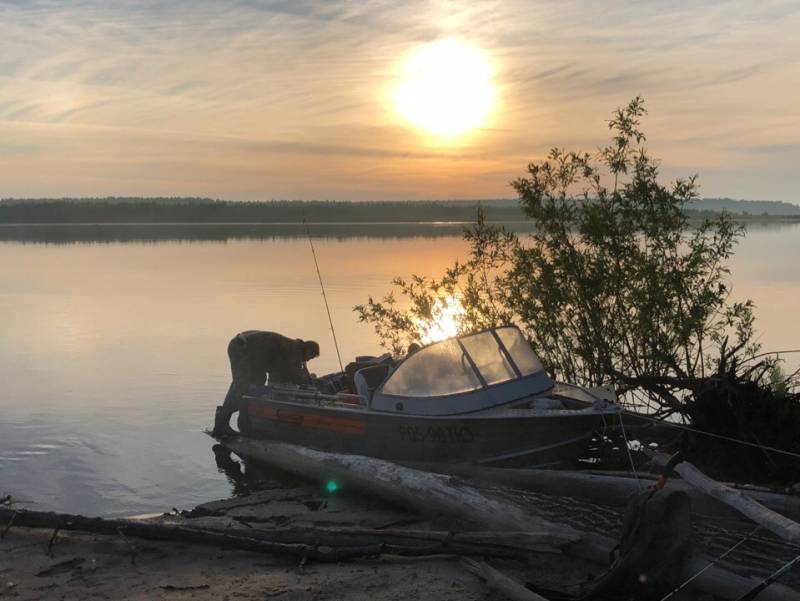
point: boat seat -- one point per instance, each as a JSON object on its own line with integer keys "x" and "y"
{"x": 368, "y": 379}
{"x": 547, "y": 404}
{"x": 362, "y": 361}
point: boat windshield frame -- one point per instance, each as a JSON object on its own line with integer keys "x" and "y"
{"x": 518, "y": 382}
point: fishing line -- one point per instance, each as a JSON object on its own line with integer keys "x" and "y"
{"x": 713, "y": 562}
{"x": 324, "y": 296}
{"x": 787, "y": 352}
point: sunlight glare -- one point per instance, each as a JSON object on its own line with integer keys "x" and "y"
{"x": 446, "y": 88}
{"x": 447, "y": 314}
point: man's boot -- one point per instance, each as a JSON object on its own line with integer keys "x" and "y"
{"x": 221, "y": 425}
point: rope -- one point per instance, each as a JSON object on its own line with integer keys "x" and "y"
{"x": 713, "y": 562}
{"x": 711, "y": 434}
{"x": 628, "y": 449}
{"x": 688, "y": 428}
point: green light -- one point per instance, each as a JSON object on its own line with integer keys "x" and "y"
{"x": 332, "y": 486}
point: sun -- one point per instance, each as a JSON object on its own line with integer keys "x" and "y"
{"x": 447, "y": 313}
{"x": 445, "y": 89}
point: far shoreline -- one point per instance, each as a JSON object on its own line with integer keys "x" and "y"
{"x": 410, "y": 222}
{"x": 156, "y": 232}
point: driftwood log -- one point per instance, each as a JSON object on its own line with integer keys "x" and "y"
{"x": 741, "y": 502}
{"x": 488, "y": 543}
{"x": 607, "y": 489}
{"x": 320, "y": 544}
{"x": 422, "y": 491}
{"x": 430, "y": 493}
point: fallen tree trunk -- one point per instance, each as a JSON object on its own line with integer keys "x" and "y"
{"x": 603, "y": 489}
{"x": 424, "y": 492}
{"x": 320, "y": 544}
{"x": 484, "y": 542}
{"x": 744, "y": 504}
{"x": 435, "y": 493}
{"x": 133, "y": 528}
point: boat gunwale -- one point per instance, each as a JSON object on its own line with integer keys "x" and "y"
{"x": 492, "y": 413}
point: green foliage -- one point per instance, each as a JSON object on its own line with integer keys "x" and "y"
{"x": 614, "y": 285}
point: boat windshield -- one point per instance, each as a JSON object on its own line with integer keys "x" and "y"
{"x": 459, "y": 365}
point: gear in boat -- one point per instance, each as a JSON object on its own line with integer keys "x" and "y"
{"x": 482, "y": 397}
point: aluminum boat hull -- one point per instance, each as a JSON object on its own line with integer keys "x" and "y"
{"x": 507, "y": 437}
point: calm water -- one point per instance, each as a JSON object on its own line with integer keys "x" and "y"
{"x": 112, "y": 354}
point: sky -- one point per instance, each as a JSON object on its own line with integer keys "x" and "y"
{"x": 296, "y": 100}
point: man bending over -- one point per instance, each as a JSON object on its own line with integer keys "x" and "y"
{"x": 253, "y": 355}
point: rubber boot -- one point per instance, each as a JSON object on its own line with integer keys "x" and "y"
{"x": 221, "y": 426}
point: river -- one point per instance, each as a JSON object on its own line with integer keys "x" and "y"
{"x": 112, "y": 354}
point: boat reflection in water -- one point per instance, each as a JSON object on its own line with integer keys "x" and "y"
{"x": 247, "y": 476}
{"x": 483, "y": 398}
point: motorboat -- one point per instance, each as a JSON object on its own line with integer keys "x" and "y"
{"x": 481, "y": 398}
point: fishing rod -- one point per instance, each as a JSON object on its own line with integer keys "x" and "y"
{"x": 324, "y": 296}
{"x": 753, "y": 593}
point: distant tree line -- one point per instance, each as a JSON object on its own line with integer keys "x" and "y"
{"x": 743, "y": 207}
{"x": 206, "y": 210}
{"x": 158, "y": 210}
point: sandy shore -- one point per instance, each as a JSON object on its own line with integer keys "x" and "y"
{"x": 84, "y": 566}
{"x": 91, "y": 566}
